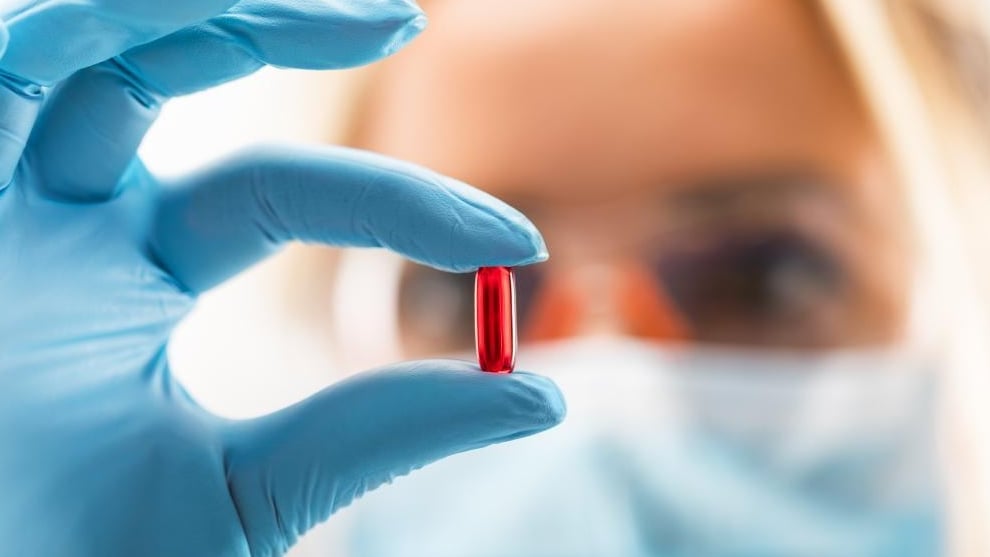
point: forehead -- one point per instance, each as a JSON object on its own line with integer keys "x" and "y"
{"x": 565, "y": 98}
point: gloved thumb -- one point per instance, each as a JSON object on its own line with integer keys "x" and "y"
{"x": 291, "y": 470}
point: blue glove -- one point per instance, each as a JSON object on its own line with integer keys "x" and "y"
{"x": 101, "y": 452}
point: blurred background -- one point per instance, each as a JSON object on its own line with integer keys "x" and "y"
{"x": 766, "y": 301}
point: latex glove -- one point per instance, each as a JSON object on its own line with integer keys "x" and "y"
{"x": 101, "y": 452}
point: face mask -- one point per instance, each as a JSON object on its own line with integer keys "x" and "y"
{"x": 700, "y": 452}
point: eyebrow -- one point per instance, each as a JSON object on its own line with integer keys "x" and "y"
{"x": 773, "y": 187}
{"x": 717, "y": 196}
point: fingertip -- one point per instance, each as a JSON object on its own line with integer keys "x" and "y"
{"x": 543, "y": 254}
{"x": 540, "y": 251}
{"x": 532, "y": 247}
{"x": 513, "y": 250}
{"x": 406, "y": 34}
{"x": 549, "y": 406}
{"x": 522, "y": 403}
{"x": 496, "y": 233}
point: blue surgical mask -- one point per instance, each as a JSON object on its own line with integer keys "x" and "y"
{"x": 694, "y": 452}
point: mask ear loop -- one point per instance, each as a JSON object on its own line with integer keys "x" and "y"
{"x": 364, "y": 304}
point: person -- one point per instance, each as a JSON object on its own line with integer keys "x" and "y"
{"x": 102, "y": 452}
{"x": 758, "y": 295}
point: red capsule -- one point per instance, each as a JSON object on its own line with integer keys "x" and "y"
{"x": 495, "y": 319}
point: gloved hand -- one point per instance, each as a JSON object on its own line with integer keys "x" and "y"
{"x": 102, "y": 453}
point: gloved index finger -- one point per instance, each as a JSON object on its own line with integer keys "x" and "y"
{"x": 51, "y": 39}
{"x": 214, "y": 224}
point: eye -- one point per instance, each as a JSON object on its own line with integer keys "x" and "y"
{"x": 754, "y": 288}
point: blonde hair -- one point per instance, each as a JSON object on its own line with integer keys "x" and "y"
{"x": 923, "y": 67}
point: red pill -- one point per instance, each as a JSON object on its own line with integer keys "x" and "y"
{"x": 495, "y": 319}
